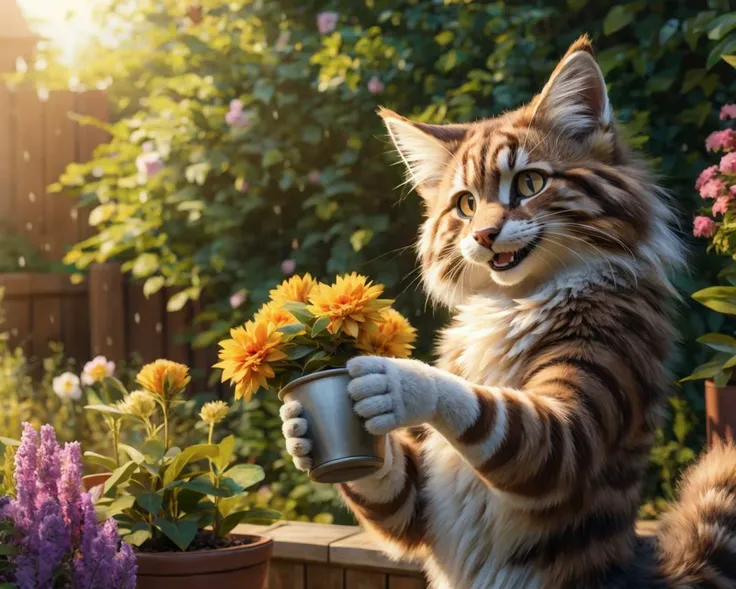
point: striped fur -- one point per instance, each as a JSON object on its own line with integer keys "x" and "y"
{"x": 518, "y": 461}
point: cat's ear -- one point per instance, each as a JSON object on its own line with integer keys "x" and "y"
{"x": 426, "y": 150}
{"x": 575, "y": 99}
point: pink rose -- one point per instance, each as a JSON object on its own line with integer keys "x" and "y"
{"x": 237, "y": 299}
{"x": 236, "y": 105}
{"x": 236, "y": 119}
{"x": 728, "y": 112}
{"x": 327, "y": 22}
{"x": 732, "y": 190}
{"x": 149, "y": 164}
{"x": 721, "y": 205}
{"x": 705, "y": 176}
{"x": 712, "y": 189}
{"x": 721, "y": 140}
{"x": 314, "y": 177}
{"x": 728, "y": 163}
{"x": 703, "y": 227}
{"x": 375, "y": 86}
{"x": 288, "y": 267}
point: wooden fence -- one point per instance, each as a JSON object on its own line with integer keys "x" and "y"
{"x": 37, "y": 140}
{"x": 107, "y": 314}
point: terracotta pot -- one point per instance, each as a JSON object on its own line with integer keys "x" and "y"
{"x": 239, "y": 567}
{"x": 720, "y": 411}
{"x": 91, "y": 481}
{"x": 342, "y": 449}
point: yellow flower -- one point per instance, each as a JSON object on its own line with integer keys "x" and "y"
{"x": 214, "y": 412}
{"x": 245, "y": 359}
{"x": 139, "y": 403}
{"x": 392, "y": 338}
{"x": 295, "y": 289}
{"x": 164, "y": 378}
{"x": 275, "y": 314}
{"x": 351, "y": 303}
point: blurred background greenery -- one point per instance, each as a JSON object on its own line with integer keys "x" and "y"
{"x": 222, "y": 199}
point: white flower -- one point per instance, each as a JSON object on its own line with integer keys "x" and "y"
{"x": 96, "y": 370}
{"x": 66, "y": 386}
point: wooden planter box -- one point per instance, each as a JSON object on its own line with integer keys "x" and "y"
{"x": 318, "y": 556}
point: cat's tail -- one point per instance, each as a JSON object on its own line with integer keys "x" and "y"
{"x": 697, "y": 538}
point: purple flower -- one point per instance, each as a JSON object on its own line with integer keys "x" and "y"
{"x": 70, "y": 490}
{"x": 236, "y": 105}
{"x": 327, "y": 22}
{"x": 375, "y": 86}
{"x": 236, "y": 118}
{"x": 49, "y": 467}
{"x": 54, "y": 542}
{"x": 25, "y": 477}
{"x": 149, "y": 164}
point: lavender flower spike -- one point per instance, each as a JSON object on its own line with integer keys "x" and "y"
{"x": 70, "y": 489}
{"x": 25, "y": 477}
{"x": 49, "y": 469}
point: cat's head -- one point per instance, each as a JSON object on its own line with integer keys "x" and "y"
{"x": 512, "y": 201}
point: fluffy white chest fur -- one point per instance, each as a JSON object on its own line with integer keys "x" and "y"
{"x": 472, "y": 526}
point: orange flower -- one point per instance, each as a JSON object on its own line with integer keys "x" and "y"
{"x": 295, "y": 289}
{"x": 351, "y": 303}
{"x": 392, "y": 338}
{"x": 164, "y": 378}
{"x": 245, "y": 359}
{"x": 275, "y": 314}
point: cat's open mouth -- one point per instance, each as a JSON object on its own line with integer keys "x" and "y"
{"x": 507, "y": 260}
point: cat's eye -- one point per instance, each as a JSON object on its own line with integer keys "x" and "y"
{"x": 466, "y": 205}
{"x": 529, "y": 183}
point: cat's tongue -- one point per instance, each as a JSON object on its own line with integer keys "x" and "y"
{"x": 503, "y": 259}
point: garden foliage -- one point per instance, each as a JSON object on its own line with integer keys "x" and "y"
{"x": 249, "y": 149}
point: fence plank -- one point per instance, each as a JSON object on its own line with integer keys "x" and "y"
{"x": 175, "y": 325}
{"x": 76, "y": 325}
{"x": 144, "y": 320}
{"x": 320, "y": 576}
{"x": 107, "y": 311}
{"x": 405, "y": 582}
{"x": 18, "y": 323}
{"x": 286, "y": 575}
{"x": 60, "y": 135}
{"x": 94, "y": 104}
{"x": 7, "y": 188}
{"x": 28, "y": 166}
{"x": 47, "y": 320}
{"x": 356, "y": 579}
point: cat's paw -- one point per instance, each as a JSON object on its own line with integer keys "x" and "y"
{"x": 391, "y": 394}
{"x": 294, "y": 428}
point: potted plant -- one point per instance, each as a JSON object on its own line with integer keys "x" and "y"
{"x": 49, "y": 531}
{"x": 718, "y": 223}
{"x": 299, "y": 342}
{"x": 178, "y": 506}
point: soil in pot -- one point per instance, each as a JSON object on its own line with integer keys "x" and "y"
{"x": 235, "y": 562}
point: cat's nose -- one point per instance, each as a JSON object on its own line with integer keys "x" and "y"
{"x": 486, "y": 236}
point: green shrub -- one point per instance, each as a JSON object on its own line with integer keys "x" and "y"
{"x": 301, "y": 173}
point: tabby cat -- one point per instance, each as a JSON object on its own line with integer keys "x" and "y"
{"x": 518, "y": 461}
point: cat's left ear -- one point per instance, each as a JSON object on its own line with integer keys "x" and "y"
{"x": 575, "y": 99}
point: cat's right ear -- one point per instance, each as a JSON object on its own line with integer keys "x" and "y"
{"x": 426, "y": 150}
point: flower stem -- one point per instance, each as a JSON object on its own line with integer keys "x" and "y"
{"x": 116, "y": 441}
{"x": 166, "y": 427}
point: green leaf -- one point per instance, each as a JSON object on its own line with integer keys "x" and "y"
{"x": 177, "y": 302}
{"x": 260, "y": 515}
{"x": 718, "y": 298}
{"x": 109, "y": 410}
{"x": 668, "y": 29}
{"x": 135, "y": 455}
{"x": 722, "y": 378}
{"x": 246, "y": 475}
{"x": 721, "y": 26}
{"x": 320, "y": 325}
{"x": 153, "y": 285}
{"x": 151, "y": 502}
{"x": 299, "y": 310}
{"x": 692, "y": 79}
{"x": 224, "y": 452}
{"x": 576, "y": 5}
{"x": 729, "y": 59}
{"x": 145, "y": 265}
{"x": 730, "y": 363}
{"x": 100, "y": 460}
{"x": 180, "y": 532}
{"x": 153, "y": 450}
{"x": 202, "y": 485}
{"x": 139, "y": 533}
{"x": 617, "y": 18}
{"x": 444, "y": 38}
{"x": 719, "y": 341}
{"x": 724, "y": 47}
{"x": 115, "y": 507}
{"x": 707, "y": 370}
{"x": 9, "y": 441}
{"x": 298, "y": 352}
{"x": 291, "y": 329}
{"x": 118, "y": 476}
{"x": 190, "y": 454}
{"x": 7, "y": 550}
{"x": 271, "y": 158}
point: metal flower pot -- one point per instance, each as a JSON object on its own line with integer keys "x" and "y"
{"x": 342, "y": 449}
